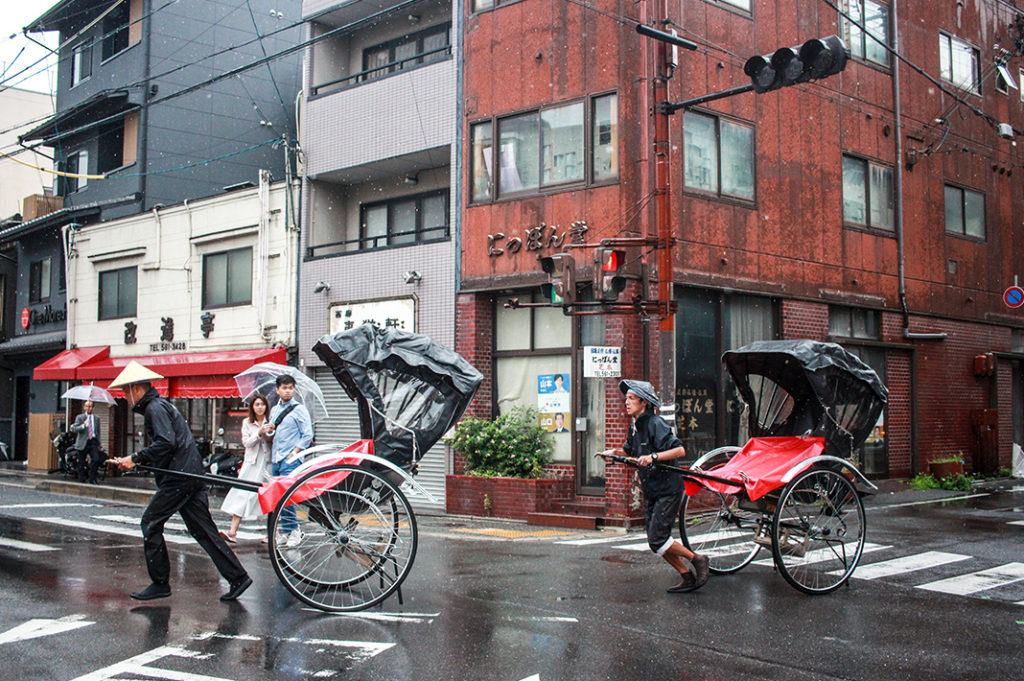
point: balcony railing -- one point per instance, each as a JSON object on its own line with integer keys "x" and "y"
{"x": 384, "y": 70}
{"x": 371, "y": 243}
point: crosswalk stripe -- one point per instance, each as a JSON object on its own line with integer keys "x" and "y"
{"x": 1016, "y": 522}
{"x": 137, "y": 534}
{"x": 24, "y": 545}
{"x": 588, "y": 542}
{"x": 640, "y": 546}
{"x": 50, "y": 505}
{"x": 899, "y": 566}
{"x": 819, "y": 555}
{"x": 171, "y": 525}
{"x": 974, "y": 582}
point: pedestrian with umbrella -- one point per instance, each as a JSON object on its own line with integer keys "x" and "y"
{"x": 87, "y": 429}
{"x": 172, "y": 448}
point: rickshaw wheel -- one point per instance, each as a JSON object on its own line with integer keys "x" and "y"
{"x": 357, "y": 538}
{"x": 818, "y": 531}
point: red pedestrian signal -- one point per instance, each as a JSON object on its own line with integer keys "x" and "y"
{"x": 608, "y": 282}
{"x": 561, "y": 286}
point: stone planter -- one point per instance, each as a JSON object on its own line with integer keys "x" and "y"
{"x": 504, "y": 497}
{"x": 946, "y": 468}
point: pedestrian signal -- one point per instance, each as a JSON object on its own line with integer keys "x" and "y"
{"x": 608, "y": 264}
{"x": 560, "y": 288}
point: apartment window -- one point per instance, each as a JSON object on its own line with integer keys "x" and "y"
{"x": 110, "y": 143}
{"x": 39, "y": 281}
{"x": 867, "y": 194}
{"x": 741, "y": 4}
{"x": 227, "y": 278}
{"x": 405, "y": 220}
{"x": 959, "y": 63}
{"x": 115, "y": 31}
{"x": 1020, "y": 79}
{"x": 719, "y": 156}
{"x": 546, "y": 148}
{"x": 409, "y": 51}
{"x": 850, "y": 322}
{"x": 965, "y": 212}
{"x": 874, "y": 17}
{"x": 481, "y": 5}
{"x": 76, "y": 163}
{"x": 81, "y": 63}
{"x": 118, "y": 293}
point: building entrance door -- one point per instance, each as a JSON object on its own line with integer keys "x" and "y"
{"x": 22, "y": 395}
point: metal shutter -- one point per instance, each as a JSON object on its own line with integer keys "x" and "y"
{"x": 343, "y": 427}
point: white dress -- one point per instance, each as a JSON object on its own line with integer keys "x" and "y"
{"x": 255, "y": 467}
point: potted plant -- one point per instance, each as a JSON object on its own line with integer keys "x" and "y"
{"x": 505, "y": 460}
{"x": 947, "y": 466}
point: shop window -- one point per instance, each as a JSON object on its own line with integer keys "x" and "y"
{"x": 564, "y": 145}
{"x": 867, "y": 194}
{"x": 1017, "y": 340}
{"x": 81, "y": 63}
{"x": 965, "y": 212}
{"x": 850, "y": 322}
{"x": 118, "y": 293}
{"x": 39, "y": 281}
{"x": 709, "y": 411}
{"x": 874, "y": 17}
{"x": 719, "y": 156}
{"x": 959, "y": 63}
{"x": 405, "y": 220}
{"x": 77, "y": 163}
{"x": 409, "y": 51}
{"x": 227, "y": 278}
{"x": 115, "y": 31}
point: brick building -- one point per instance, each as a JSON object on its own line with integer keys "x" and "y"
{"x": 878, "y": 208}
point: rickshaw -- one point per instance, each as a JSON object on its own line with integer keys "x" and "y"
{"x": 793, "y": 488}
{"x": 357, "y": 527}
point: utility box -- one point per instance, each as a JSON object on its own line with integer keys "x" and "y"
{"x": 42, "y": 428}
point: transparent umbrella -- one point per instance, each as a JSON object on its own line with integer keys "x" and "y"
{"x": 89, "y": 393}
{"x": 262, "y": 379}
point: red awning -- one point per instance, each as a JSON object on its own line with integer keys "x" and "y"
{"x": 190, "y": 374}
{"x": 64, "y": 366}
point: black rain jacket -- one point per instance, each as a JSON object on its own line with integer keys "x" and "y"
{"x": 650, "y": 434}
{"x": 171, "y": 445}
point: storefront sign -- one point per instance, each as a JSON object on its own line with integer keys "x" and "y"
{"x": 48, "y": 315}
{"x": 164, "y": 346}
{"x": 601, "y": 362}
{"x": 544, "y": 236}
{"x": 398, "y": 313}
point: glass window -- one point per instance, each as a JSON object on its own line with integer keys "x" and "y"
{"x": 39, "y": 281}
{"x": 848, "y": 322}
{"x": 115, "y": 31}
{"x": 422, "y": 47}
{"x": 605, "y": 140}
{"x": 81, "y": 63}
{"x": 867, "y": 194}
{"x": 481, "y": 164}
{"x": 227, "y": 278}
{"x": 520, "y": 148}
{"x": 405, "y": 220}
{"x": 965, "y": 212}
{"x": 959, "y": 63}
{"x": 742, "y": 4}
{"x": 719, "y": 156}
{"x": 76, "y": 164}
{"x": 118, "y": 293}
{"x": 562, "y": 144}
{"x": 403, "y": 223}
{"x": 375, "y": 226}
{"x": 875, "y": 18}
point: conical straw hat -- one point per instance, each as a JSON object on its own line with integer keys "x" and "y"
{"x": 134, "y": 373}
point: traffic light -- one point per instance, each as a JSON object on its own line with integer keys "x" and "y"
{"x": 818, "y": 58}
{"x": 561, "y": 271}
{"x": 608, "y": 263}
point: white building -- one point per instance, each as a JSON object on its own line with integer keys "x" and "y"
{"x": 18, "y": 180}
{"x": 197, "y": 292}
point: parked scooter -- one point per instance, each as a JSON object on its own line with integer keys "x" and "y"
{"x": 217, "y": 459}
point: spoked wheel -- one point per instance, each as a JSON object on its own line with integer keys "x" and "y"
{"x": 348, "y": 542}
{"x": 712, "y": 524}
{"x": 818, "y": 531}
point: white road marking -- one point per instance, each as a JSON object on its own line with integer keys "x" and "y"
{"x": 81, "y": 524}
{"x": 819, "y": 555}
{"x": 978, "y": 581}
{"x": 870, "y": 509}
{"x": 176, "y": 526}
{"x": 138, "y": 667}
{"x": 24, "y": 545}
{"x": 899, "y": 566}
{"x": 363, "y": 649}
{"x": 641, "y": 546}
{"x": 43, "y": 627}
{"x": 588, "y": 542}
{"x": 535, "y": 677}
{"x": 1016, "y": 522}
{"x": 52, "y": 505}
{"x": 411, "y": 617}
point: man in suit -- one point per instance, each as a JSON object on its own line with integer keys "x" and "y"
{"x": 87, "y": 442}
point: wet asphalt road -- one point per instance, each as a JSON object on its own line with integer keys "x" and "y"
{"x": 479, "y": 605}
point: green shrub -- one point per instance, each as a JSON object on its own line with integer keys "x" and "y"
{"x": 923, "y": 481}
{"x": 513, "y": 445}
{"x": 955, "y": 482}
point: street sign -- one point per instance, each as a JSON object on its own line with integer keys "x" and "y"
{"x": 1013, "y": 296}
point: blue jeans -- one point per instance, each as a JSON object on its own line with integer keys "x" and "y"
{"x": 285, "y": 467}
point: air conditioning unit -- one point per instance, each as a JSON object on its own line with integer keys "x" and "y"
{"x": 1005, "y": 131}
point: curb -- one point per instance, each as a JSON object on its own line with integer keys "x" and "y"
{"x": 81, "y": 489}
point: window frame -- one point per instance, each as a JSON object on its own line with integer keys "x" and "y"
{"x": 76, "y": 184}
{"x": 718, "y": 193}
{"x": 117, "y": 313}
{"x": 40, "y": 287}
{"x": 871, "y": 320}
{"x": 228, "y": 302}
{"x": 962, "y": 233}
{"x": 847, "y": 26}
{"x": 419, "y": 231}
{"x": 495, "y": 4}
{"x": 868, "y": 226}
{"x": 495, "y": 195}
{"x": 81, "y": 55}
{"x": 393, "y": 65}
{"x": 111, "y": 32}
{"x": 975, "y": 89}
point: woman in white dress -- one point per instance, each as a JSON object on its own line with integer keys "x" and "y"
{"x": 256, "y": 440}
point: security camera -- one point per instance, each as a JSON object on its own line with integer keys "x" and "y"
{"x": 412, "y": 277}
{"x": 321, "y": 287}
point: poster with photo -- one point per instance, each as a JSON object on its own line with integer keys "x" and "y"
{"x": 553, "y": 393}
{"x": 558, "y": 422}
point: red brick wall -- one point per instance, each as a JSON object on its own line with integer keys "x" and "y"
{"x": 508, "y": 497}
{"x": 898, "y": 413}
{"x": 803, "y": 319}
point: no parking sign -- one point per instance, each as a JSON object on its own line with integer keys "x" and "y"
{"x": 1013, "y": 296}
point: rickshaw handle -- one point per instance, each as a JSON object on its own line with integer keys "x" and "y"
{"x": 687, "y": 473}
{"x": 247, "y": 485}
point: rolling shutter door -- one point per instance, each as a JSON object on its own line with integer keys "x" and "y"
{"x": 342, "y": 427}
